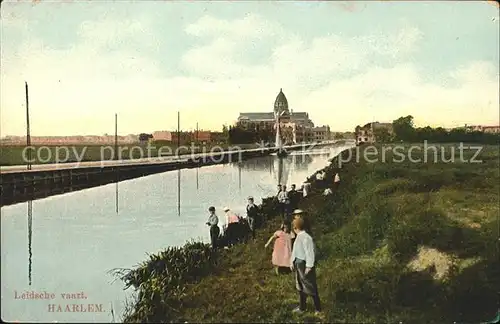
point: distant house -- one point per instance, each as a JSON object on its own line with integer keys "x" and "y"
{"x": 484, "y": 129}
{"x": 185, "y": 137}
{"x": 145, "y": 138}
{"x": 367, "y": 133}
{"x": 322, "y": 133}
{"x": 163, "y": 136}
{"x": 491, "y": 129}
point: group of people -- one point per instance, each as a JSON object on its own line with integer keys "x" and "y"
{"x": 289, "y": 200}
{"x": 236, "y": 229}
{"x": 294, "y": 248}
{"x": 324, "y": 184}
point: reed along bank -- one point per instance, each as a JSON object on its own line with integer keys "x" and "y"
{"x": 399, "y": 241}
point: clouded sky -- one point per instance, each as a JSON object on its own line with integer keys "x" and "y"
{"x": 344, "y": 63}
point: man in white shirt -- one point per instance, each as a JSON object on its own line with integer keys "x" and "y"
{"x": 320, "y": 175}
{"x": 302, "y": 262}
{"x": 283, "y": 201}
{"x": 306, "y": 187}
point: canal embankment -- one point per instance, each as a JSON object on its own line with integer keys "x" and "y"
{"x": 398, "y": 241}
{"x": 12, "y": 155}
{"x": 34, "y": 184}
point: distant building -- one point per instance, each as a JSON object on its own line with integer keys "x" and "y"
{"x": 484, "y": 129}
{"x": 322, "y": 133}
{"x": 491, "y": 129}
{"x": 185, "y": 137}
{"x": 295, "y": 127}
{"x": 71, "y": 140}
{"x": 163, "y": 136}
{"x": 367, "y": 133}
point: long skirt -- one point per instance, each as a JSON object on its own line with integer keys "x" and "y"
{"x": 305, "y": 283}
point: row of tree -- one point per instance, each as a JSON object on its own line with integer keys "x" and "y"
{"x": 230, "y": 135}
{"x": 404, "y": 130}
{"x": 240, "y": 135}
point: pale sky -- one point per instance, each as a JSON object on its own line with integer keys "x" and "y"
{"x": 344, "y": 63}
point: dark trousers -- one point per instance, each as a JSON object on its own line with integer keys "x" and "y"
{"x": 303, "y": 302}
{"x": 214, "y": 235}
{"x": 281, "y": 209}
{"x": 232, "y": 233}
{"x": 306, "y": 285}
{"x": 251, "y": 224}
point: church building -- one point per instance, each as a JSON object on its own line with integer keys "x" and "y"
{"x": 295, "y": 127}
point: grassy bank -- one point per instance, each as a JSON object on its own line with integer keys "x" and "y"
{"x": 14, "y": 155}
{"x": 410, "y": 242}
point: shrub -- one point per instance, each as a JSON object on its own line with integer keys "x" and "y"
{"x": 160, "y": 280}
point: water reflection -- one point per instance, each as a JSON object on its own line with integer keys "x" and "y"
{"x": 280, "y": 162}
{"x": 179, "y": 192}
{"x": 239, "y": 176}
{"x": 117, "y": 180}
{"x": 116, "y": 196}
{"x": 30, "y": 233}
{"x": 282, "y": 168}
{"x": 300, "y": 162}
{"x": 197, "y": 180}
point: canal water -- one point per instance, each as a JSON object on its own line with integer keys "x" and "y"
{"x": 67, "y": 243}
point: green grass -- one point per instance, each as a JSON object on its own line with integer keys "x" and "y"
{"x": 14, "y": 155}
{"x": 399, "y": 242}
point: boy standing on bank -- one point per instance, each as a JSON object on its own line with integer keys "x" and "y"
{"x": 302, "y": 263}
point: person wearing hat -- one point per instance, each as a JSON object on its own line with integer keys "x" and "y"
{"x": 299, "y": 213}
{"x": 302, "y": 262}
{"x": 213, "y": 222}
{"x": 230, "y": 227}
{"x": 252, "y": 213}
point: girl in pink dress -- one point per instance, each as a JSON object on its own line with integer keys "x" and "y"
{"x": 282, "y": 247}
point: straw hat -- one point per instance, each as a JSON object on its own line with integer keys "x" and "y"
{"x": 226, "y": 209}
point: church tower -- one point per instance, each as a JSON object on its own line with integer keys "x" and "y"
{"x": 281, "y": 104}
{"x": 284, "y": 133}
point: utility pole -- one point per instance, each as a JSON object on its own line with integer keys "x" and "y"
{"x": 116, "y": 136}
{"x": 197, "y": 181}
{"x": 178, "y": 132}
{"x": 28, "y": 137}
{"x": 239, "y": 175}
